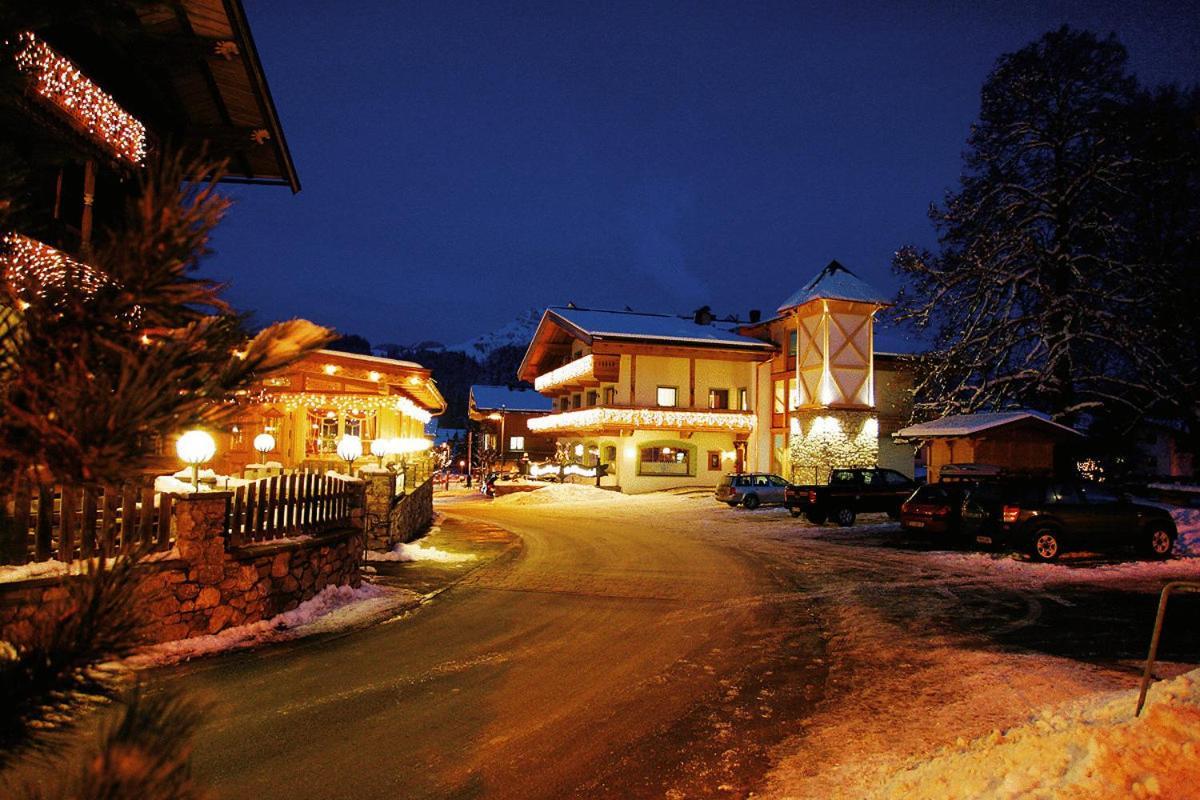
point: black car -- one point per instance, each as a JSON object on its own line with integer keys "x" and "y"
{"x": 1048, "y": 518}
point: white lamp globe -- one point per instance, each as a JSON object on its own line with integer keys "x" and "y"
{"x": 349, "y": 448}
{"x": 380, "y": 447}
{"x": 195, "y": 448}
{"x": 264, "y": 443}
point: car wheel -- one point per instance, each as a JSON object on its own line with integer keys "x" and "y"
{"x": 751, "y": 502}
{"x": 795, "y": 512}
{"x": 1159, "y": 542}
{"x": 1047, "y": 545}
{"x": 815, "y": 517}
{"x": 844, "y": 516}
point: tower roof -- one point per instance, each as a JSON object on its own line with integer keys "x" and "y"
{"x": 835, "y": 282}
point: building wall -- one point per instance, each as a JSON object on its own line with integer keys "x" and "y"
{"x": 624, "y": 471}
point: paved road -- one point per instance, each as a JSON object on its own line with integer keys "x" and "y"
{"x": 598, "y": 659}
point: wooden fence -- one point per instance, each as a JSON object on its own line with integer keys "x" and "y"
{"x": 70, "y": 522}
{"x": 288, "y": 505}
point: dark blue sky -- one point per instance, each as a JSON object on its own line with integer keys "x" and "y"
{"x": 464, "y": 162}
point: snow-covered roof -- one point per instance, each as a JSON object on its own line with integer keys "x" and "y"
{"x": 640, "y": 325}
{"x": 495, "y": 398}
{"x": 390, "y": 362}
{"x": 968, "y": 424}
{"x": 835, "y": 282}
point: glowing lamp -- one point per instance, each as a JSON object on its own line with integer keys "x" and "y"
{"x": 349, "y": 449}
{"x": 578, "y": 450}
{"x": 196, "y": 448}
{"x": 264, "y": 443}
{"x": 381, "y": 448}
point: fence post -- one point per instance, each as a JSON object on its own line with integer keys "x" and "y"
{"x": 200, "y": 537}
{"x": 378, "y": 490}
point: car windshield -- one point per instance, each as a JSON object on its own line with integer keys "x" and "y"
{"x": 931, "y": 494}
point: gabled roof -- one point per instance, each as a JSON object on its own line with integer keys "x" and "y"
{"x": 970, "y": 424}
{"x": 835, "y": 282}
{"x": 502, "y": 398}
{"x": 593, "y": 324}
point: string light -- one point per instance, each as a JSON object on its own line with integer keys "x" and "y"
{"x": 643, "y": 418}
{"x": 59, "y": 82}
{"x": 565, "y": 374}
{"x": 349, "y": 402}
{"x": 24, "y": 258}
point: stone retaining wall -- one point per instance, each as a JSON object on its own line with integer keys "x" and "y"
{"x": 207, "y": 587}
{"x": 392, "y": 518}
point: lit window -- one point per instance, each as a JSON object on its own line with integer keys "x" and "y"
{"x": 516, "y": 443}
{"x": 610, "y": 395}
{"x": 792, "y": 344}
{"x": 743, "y": 400}
{"x": 718, "y": 398}
{"x": 780, "y": 395}
{"x": 667, "y": 396}
{"x": 669, "y": 461}
{"x": 793, "y": 395}
{"x": 714, "y": 460}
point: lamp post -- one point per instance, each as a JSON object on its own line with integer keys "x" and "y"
{"x": 349, "y": 449}
{"x": 380, "y": 448}
{"x": 196, "y": 448}
{"x": 264, "y": 443}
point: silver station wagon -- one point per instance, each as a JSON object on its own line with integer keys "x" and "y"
{"x": 751, "y": 490}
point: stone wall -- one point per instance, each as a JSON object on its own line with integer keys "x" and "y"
{"x": 204, "y": 586}
{"x": 391, "y": 518}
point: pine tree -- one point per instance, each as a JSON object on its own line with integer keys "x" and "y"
{"x": 1039, "y": 294}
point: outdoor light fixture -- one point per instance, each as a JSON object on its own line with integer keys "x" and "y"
{"x": 195, "y": 448}
{"x": 373, "y": 375}
{"x": 349, "y": 449}
{"x": 578, "y": 450}
{"x": 264, "y": 443}
{"x": 381, "y": 448}
{"x": 331, "y": 369}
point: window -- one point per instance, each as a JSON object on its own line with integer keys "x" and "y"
{"x": 576, "y": 400}
{"x": 516, "y": 443}
{"x": 793, "y": 395}
{"x": 743, "y": 400}
{"x": 714, "y": 460}
{"x": 779, "y": 406}
{"x": 778, "y": 481}
{"x": 667, "y": 396}
{"x": 895, "y": 479}
{"x": 593, "y": 397}
{"x": 718, "y": 398}
{"x": 610, "y": 454}
{"x": 610, "y": 395}
{"x": 665, "y": 461}
{"x": 564, "y": 403}
{"x": 792, "y": 344}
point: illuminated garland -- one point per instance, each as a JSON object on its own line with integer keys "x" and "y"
{"x": 349, "y": 402}
{"x": 59, "y": 82}
{"x": 642, "y": 418}
{"x": 565, "y": 374}
{"x": 27, "y": 261}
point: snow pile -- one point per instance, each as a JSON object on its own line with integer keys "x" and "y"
{"x": 415, "y": 551}
{"x": 333, "y": 608}
{"x": 341, "y": 476}
{"x": 40, "y": 569}
{"x": 563, "y": 494}
{"x": 1094, "y": 748}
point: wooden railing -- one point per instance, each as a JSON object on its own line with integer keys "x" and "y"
{"x": 289, "y": 505}
{"x": 69, "y": 522}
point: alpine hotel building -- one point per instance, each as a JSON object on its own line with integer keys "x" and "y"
{"x": 667, "y": 401}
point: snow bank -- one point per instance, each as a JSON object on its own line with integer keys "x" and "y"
{"x": 1092, "y": 748}
{"x": 333, "y": 608}
{"x": 342, "y": 476}
{"x": 563, "y": 494}
{"x": 415, "y": 551}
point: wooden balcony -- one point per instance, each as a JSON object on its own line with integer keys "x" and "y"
{"x": 614, "y": 419}
{"x": 590, "y": 370}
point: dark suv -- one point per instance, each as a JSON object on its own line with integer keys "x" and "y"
{"x": 1046, "y": 518}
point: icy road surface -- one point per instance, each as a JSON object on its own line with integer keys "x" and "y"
{"x": 667, "y": 646}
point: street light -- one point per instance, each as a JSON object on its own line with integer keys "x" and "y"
{"x": 381, "y": 448}
{"x": 349, "y": 449}
{"x": 196, "y": 448}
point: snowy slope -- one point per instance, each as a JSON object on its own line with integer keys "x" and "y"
{"x": 518, "y": 332}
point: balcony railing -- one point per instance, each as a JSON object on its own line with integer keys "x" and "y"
{"x": 589, "y": 370}
{"x": 616, "y": 418}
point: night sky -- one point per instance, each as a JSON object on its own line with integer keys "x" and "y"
{"x": 462, "y": 163}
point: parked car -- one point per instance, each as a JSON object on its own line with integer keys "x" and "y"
{"x": 1047, "y": 518}
{"x": 849, "y": 493}
{"x": 936, "y": 509}
{"x": 751, "y": 490}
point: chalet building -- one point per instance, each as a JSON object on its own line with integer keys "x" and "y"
{"x": 503, "y": 415}
{"x": 1018, "y": 441}
{"x": 667, "y": 401}
{"x": 92, "y": 106}
{"x": 311, "y": 405}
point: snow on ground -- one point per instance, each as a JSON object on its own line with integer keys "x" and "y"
{"x": 569, "y": 494}
{"x": 1094, "y": 747}
{"x": 40, "y": 569}
{"x": 416, "y": 551}
{"x": 332, "y": 609}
